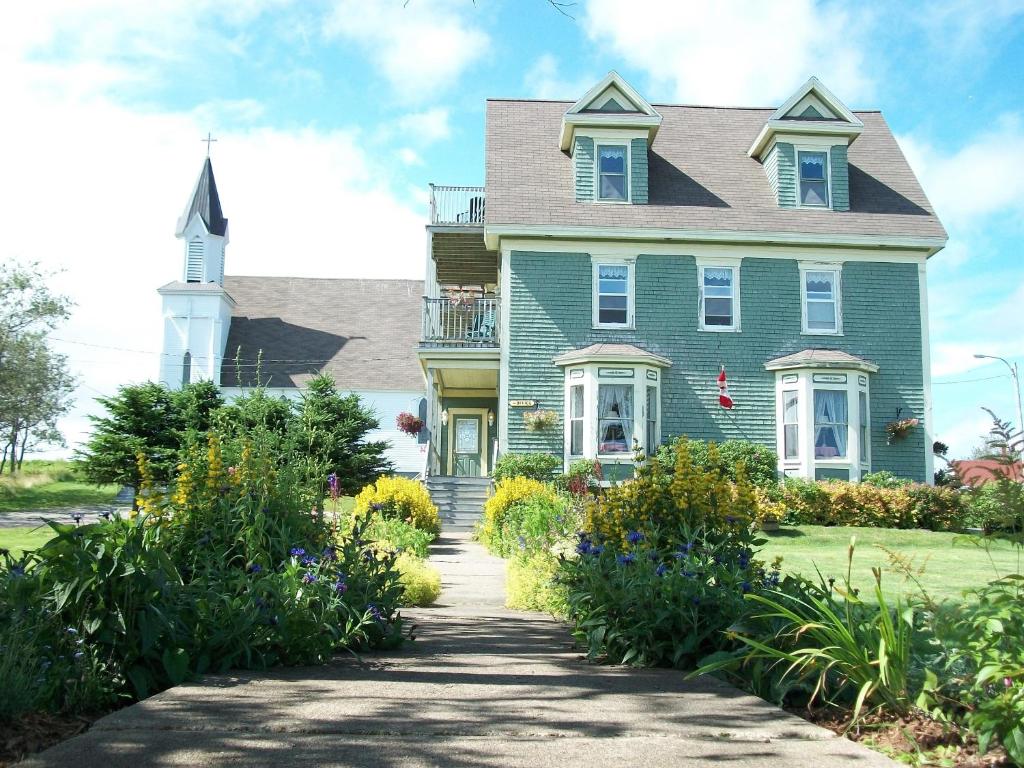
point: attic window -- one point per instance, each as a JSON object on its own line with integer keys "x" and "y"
{"x": 813, "y": 179}
{"x": 612, "y": 176}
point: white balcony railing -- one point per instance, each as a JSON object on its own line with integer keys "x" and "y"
{"x": 456, "y": 206}
{"x": 460, "y": 323}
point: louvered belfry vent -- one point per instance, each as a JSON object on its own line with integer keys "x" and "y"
{"x": 194, "y": 264}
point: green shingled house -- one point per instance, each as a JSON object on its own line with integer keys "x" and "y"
{"x": 620, "y": 254}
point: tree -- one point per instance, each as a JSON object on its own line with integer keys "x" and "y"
{"x": 330, "y": 428}
{"x": 149, "y": 419}
{"x": 35, "y": 386}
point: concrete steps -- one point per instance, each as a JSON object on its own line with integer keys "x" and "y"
{"x": 459, "y": 500}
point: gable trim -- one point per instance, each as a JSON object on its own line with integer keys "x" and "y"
{"x": 645, "y": 116}
{"x": 829, "y": 99}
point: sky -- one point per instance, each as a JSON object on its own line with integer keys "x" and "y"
{"x": 331, "y": 118}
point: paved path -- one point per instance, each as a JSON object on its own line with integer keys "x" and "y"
{"x": 36, "y": 518}
{"x": 480, "y": 686}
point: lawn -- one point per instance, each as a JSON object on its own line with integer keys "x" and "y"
{"x": 50, "y": 485}
{"x": 19, "y": 539}
{"x": 952, "y": 562}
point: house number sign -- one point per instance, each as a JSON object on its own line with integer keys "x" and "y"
{"x": 830, "y": 378}
{"x": 522, "y": 403}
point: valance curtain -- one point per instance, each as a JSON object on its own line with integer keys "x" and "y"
{"x": 830, "y": 423}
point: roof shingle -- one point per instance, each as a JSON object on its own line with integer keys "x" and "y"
{"x": 364, "y": 333}
{"x": 700, "y": 178}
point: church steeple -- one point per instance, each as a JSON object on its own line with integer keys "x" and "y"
{"x": 204, "y": 231}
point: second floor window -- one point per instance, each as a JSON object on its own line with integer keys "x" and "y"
{"x": 813, "y": 179}
{"x": 612, "y": 295}
{"x": 718, "y": 298}
{"x": 821, "y": 301}
{"x": 612, "y": 176}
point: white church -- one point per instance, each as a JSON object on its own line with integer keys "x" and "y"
{"x": 279, "y": 332}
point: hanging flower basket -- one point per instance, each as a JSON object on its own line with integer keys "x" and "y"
{"x": 540, "y": 421}
{"x": 897, "y": 430}
{"x": 409, "y": 424}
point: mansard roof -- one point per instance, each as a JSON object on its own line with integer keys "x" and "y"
{"x": 364, "y": 333}
{"x": 206, "y": 203}
{"x": 701, "y": 180}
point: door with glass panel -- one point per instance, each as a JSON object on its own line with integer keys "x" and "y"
{"x": 466, "y": 445}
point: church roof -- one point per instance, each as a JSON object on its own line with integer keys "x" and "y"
{"x": 364, "y": 333}
{"x": 206, "y": 202}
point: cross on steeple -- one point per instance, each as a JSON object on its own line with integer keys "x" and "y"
{"x": 209, "y": 140}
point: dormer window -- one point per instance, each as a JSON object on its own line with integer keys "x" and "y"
{"x": 612, "y": 172}
{"x": 813, "y": 178}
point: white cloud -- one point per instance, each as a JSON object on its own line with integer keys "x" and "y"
{"x": 971, "y": 316}
{"x": 424, "y": 127}
{"x": 964, "y": 434}
{"x": 409, "y": 157}
{"x": 734, "y": 52}
{"x": 99, "y": 187}
{"x": 421, "y": 48}
{"x": 544, "y": 80}
{"x": 981, "y": 178}
{"x": 961, "y": 28}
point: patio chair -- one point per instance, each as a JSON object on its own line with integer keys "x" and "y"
{"x": 483, "y": 326}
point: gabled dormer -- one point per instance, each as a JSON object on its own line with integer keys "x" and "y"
{"x": 608, "y": 133}
{"x": 803, "y": 147}
{"x": 204, "y": 231}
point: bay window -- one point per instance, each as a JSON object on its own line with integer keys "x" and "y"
{"x": 651, "y": 434}
{"x": 614, "y": 418}
{"x": 576, "y": 420}
{"x": 823, "y": 426}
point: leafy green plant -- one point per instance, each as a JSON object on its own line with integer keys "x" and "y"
{"x": 392, "y": 533}
{"x": 536, "y": 466}
{"x": 759, "y": 462}
{"x": 856, "y": 654}
{"x": 421, "y": 582}
{"x": 533, "y": 583}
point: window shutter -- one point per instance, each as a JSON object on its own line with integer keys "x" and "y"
{"x": 194, "y": 262}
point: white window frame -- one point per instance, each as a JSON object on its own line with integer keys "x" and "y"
{"x": 735, "y": 326}
{"x": 837, "y": 298}
{"x": 850, "y": 410}
{"x": 630, "y": 265}
{"x": 818, "y": 150}
{"x": 570, "y": 419}
{"x": 786, "y": 390}
{"x": 801, "y": 381}
{"x": 598, "y": 143}
{"x": 591, "y": 376}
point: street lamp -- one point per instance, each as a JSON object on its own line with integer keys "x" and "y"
{"x": 1016, "y": 384}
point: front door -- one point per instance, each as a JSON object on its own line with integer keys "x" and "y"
{"x": 466, "y": 454}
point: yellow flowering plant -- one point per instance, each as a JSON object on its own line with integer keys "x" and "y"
{"x": 399, "y": 497}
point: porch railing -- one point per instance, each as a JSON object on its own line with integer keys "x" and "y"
{"x": 460, "y": 323}
{"x": 456, "y": 206}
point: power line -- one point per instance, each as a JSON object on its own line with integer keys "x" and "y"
{"x": 971, "y": 381}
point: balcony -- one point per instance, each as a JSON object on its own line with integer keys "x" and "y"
{"x": 456, "y": 206}
{"x": 460, "y": 322}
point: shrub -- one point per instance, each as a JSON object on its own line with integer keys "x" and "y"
{"x": 985, "y": 509}
{"x": 392, "y": 533}
{"x": 507, "y": 494}
{"x": 662, "y": 569}
{"x": 401, "y": 498}
{"x": 536, "y": 466}
{"x": 835, "y": 502}
{"x": 884, "y": 479}
{"x": 421, "y": 582}
{"x": 760, "y": 463}
{"x": 583, "y": 477}
{"x": 532, "y": 584}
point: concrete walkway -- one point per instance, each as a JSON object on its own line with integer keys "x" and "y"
{"x": 480, "y": 686}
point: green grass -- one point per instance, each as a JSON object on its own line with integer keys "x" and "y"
{"x": 50, "y": 485}
{"x": 952, "y": 562}
{"x": 20, "y": 539}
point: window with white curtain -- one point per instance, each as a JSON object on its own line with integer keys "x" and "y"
{"x": 821, "y": 301}
{"x": 614, "y": 418}
{"x": 576, "y": 420}
{"x": 791, "y": 423}
{"x": 613, "y": 286}
{"x": 718, "y": 298}
{"x": 813, "y": 168}
{"x": 612, "y": 172}
{"x": 830, "y": 423}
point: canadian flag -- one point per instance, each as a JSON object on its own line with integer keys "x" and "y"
{"x": 724, "y": 398}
